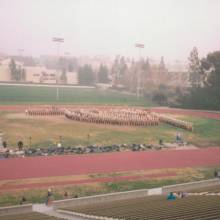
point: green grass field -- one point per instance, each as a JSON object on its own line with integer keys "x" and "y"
{"x": 48, "y": 95}
{"x": 46, "y": 132}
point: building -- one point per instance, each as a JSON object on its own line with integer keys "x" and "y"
{"x": 36, "y": 74}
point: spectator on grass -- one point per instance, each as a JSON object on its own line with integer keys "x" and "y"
{"x": 49, "y": 197}
{"x": 178, "y": 137}
{"x": 23, "y": 200}
{"x": 65, "y": 195}
{"x": 215, "y": 174}
{"x": 20, "y": 145}
{"x": 4, "y": 144}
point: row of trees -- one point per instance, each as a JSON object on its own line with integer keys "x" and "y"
{"x": 137, "y": 73}
{"x": 87, "y": 76}
{"x": 204, "y": 76}
{"x": 123, "y": 73}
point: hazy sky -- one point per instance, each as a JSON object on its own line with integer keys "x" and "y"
{"x": 168, "y": 28}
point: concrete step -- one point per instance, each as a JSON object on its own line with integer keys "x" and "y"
{"x": 64, "y": 216}
{"x": 49, "y": 210}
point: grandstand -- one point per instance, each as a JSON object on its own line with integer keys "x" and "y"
{"x": 202, "y": 203}
{"x": 202, "y": 207}
{"x": 207, "y": 189}
{"x": 28, "y": 216}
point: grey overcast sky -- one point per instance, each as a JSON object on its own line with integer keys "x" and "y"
{"x": 169, "y": 28}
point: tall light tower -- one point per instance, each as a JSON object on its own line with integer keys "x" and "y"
{"x": 58, "y": 41}
{"x": 139, "y": 46}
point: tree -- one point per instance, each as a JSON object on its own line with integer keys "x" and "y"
{"x": 122, "y": 67}
{"x": 17, "y": 73}
{"x": 115, "y": 72}
{"x": 145, "y": 73}
{"x": 23, "y": 74}
{"x": 13, "y": 70}
{"x": 70, "y": 67}
{"x": 86, "y": 75}
{"x": 146, "y": 66}
{"x": 159, "y": 98}
{"x": 206, "y": 96}
{"x": 194, "y": 69}
{"x": 63, "y": 76}
{"x": 162, "y": 67}
{"x": 132, "y": 76}
{"x": 62, "y": 63}
{"x": 211, "y": 70}
{"x": 103, "y": 74}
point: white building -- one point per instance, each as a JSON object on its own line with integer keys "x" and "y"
{"x": 36, "y": 74}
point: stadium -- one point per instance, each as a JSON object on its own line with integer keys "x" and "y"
{"x": 109, "y": 110}
{"x": 101, "y": 178}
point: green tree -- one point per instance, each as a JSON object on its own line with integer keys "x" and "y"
{"x": 160, "y": 98}
{"x": 20, "y": 74}
{"x": 146, "y": 67}
{"x": 62, "y": 63}
{"x": 115, "y": 72}
{"x": 17, "y": 73}
{"x": 103, "y": 74}
{"x": 162, "y": 67}
{"x": 208, "y": 95}
{"x": 122, "y": 67}
{"x": 13, "y": 70}
{"x": 145, "y": 73}
{"x": 211, "y": 70}
{"x": 23, "y": 74}
{"x": 86, "y": 75}
{"x": 70, "y": 67}
{"x": 63, "y": 76}
{"x": 194, "y": 69}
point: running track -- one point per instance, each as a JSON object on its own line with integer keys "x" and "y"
{"x": 198, "y": 113}
{"x": 18, "y": 168}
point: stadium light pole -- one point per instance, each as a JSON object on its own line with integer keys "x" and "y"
{"x": 58, "y": 41}
{"x": 139, "y": 46}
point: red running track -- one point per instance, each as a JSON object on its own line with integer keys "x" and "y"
{"x": 82, "y": 181}
{"x": 197, "y": 113}
{"x": 18, "y": 168}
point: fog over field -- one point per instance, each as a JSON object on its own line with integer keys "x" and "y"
{"x": 168, "y": 28}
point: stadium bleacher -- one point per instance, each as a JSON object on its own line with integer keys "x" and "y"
{"x": 28, "y": 216}
{"x": 200, "y": 207}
